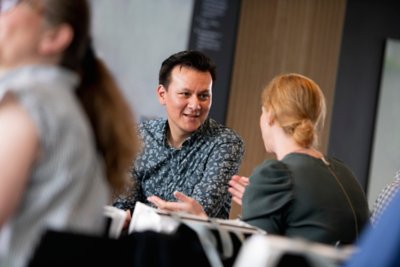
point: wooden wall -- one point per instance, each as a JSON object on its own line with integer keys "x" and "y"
{"x": 279, "y": 36}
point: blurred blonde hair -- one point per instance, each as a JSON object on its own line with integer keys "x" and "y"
{"x": 298, "y": 105}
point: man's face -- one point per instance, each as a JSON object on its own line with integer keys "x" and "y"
{"x": 187, "y": 100}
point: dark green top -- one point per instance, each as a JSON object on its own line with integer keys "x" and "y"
{"x": 299, "y": 196}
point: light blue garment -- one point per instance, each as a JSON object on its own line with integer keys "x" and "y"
{"x": 67, "y": 189}
{"x": 380, "y": 245}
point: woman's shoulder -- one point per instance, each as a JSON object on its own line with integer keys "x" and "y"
{"x": 271, "y": 174}
{"x": 273, "y": 168}
{"x": 270, "y": 189}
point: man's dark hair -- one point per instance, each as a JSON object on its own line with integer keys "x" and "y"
{"x": 190, "y": 59}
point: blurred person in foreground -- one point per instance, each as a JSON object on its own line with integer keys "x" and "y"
{"x": 379, "y": 244}
{"x": 67, "y": 135}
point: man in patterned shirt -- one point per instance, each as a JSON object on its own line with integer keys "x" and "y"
{"x": 384, "y": 198}
{"x": 187, "y": 154}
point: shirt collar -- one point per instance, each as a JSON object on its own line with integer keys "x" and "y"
{"x": 162, "y": 130}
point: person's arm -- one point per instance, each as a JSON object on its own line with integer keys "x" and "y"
{"x": 184, "y": 204}
{"x": 19, "y": 146}
{"x": 187, "y": 204}
{"x": 212, "y": 190}
{"x": 268, "y": 197}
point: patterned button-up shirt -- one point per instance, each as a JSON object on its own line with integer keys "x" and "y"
{"x": 384, "y": 198}
{"x": 201, "y": 168}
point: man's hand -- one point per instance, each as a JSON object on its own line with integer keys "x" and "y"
{"x": 184, "y": 204}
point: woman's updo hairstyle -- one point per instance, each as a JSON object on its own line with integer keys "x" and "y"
{"x": 298, "y": 105}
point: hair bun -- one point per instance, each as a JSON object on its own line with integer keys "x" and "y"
{"x": 304, "y": 133}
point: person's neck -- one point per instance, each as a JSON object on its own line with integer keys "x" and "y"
{"x": 175, "y": 140}
{"x": 3, "y": 71}
{"x": 283, "y": 150}
{"x": 7, "y": 68}
{"x": 175, "y": 144}
{"x": 289, "y": 146}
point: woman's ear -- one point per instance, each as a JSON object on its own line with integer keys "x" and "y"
{"x": 271, "y": 117}
{"x": 56, "y": 40}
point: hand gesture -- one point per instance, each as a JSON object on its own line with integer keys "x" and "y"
{"x": 237, "y": 186}
{"x": 184, "y": 204}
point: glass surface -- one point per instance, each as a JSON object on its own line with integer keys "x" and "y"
{"x": 385, "y": 160}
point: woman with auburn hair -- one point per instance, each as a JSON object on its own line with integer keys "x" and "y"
{"x": 302, "y": 193}
{"x": 67, "y": 135}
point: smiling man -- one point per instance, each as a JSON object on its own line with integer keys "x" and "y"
{"x": 187, "y": 152}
